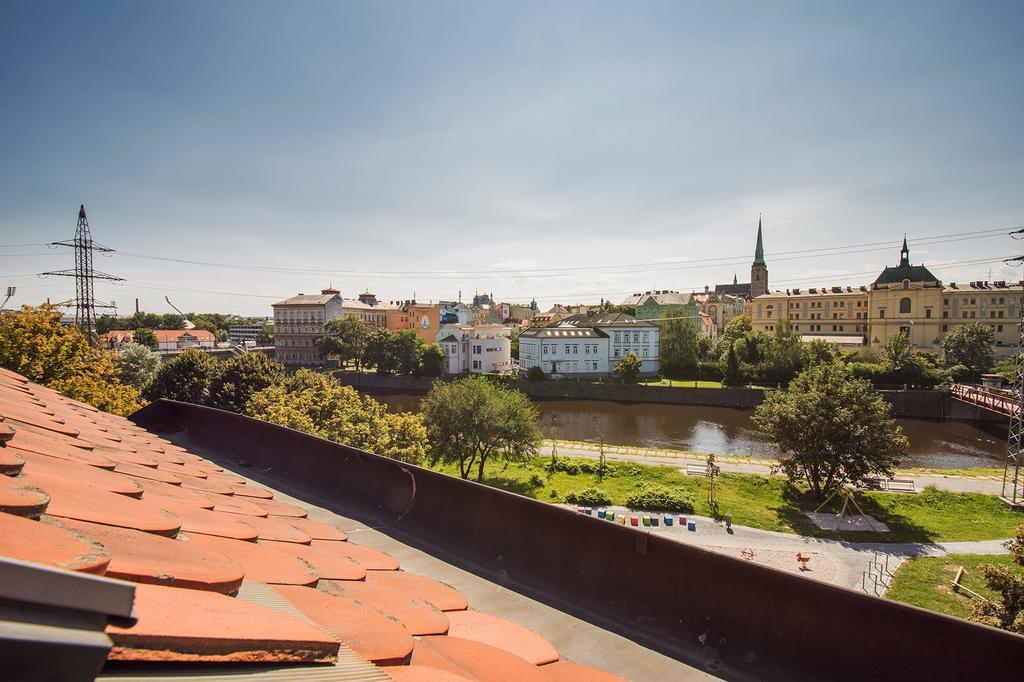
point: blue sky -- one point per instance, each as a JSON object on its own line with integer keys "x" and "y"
{"x": 432, "y": 147}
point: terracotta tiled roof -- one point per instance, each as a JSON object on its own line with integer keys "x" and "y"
{"x": 86, "y": 491}
{"x": 172, "y": 335}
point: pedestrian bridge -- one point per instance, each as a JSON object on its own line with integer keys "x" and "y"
{"x": 992, "y": 399}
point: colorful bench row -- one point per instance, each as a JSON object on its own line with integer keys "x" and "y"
{"x": 646, "y": 520}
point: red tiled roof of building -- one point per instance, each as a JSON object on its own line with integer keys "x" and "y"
{"x": 90, "y": 492}
{"x": 172, "y": 335}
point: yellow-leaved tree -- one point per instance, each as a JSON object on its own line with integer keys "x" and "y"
{"x": 35, "y": 344}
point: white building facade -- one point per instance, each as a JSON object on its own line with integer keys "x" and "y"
{"x": 590, "y": 345}
{"x": 476, "y": 349}
{"x": 299, "y": 321}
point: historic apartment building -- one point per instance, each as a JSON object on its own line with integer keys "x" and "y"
{"x": 590, "y": 345}
{"x": 475, "y": 349}
{"x": 905, "y": 298}
{"x": 299, "y": 321}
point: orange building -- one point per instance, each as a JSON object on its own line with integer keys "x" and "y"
{"x": 425, "y": 318}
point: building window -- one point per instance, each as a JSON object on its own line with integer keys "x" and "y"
{"x": 881, "y": 314}
{"x": 927, "y": 312}
{"x": 904, "y": 305}
{"x": 945, "y": 328}
{"x": 906, "y": 284}
{"x": 999, "y": 327}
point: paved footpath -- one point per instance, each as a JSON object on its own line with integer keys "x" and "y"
{"x": 833, "y": 561}
{"x": 744, "y": 465}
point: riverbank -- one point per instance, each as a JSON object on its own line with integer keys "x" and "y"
{"x": 913, "y": 404}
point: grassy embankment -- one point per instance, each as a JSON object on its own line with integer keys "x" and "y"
{"x": 926, "y": 581}
{"x": 772, "y": 503}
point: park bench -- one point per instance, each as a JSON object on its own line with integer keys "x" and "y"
{"x": 892, "y": 485}
{"x": 696, "y": 470}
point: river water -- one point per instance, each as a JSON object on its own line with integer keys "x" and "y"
{"x": 726, "y": 431}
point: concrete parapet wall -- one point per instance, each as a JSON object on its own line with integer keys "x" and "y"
{"x": 736, "y": 619}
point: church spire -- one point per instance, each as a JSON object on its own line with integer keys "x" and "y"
{"x": 759, "y": 250}
{"x": 904, "y": 253}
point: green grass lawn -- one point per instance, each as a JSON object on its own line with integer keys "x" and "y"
{"x": 680, "y": 383}
{"x": 772, "y": 503}
{"x": 925, "y": 581}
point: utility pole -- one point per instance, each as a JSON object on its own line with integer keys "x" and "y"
{"x": 85, "y": 276}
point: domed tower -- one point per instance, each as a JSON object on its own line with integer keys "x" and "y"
{"x": 759, "y": 270}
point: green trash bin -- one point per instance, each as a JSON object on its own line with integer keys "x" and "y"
{"x": 647, "y": 520}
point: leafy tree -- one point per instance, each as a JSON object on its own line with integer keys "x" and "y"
{"x": 171, "y": 321}
{"x": 1015, "y": 546}
{"x": 514, "y": 345}
{"x": 785, "y": 354}
{"x": 319, "y": 405}
{"x": 629, "y": 367}
{"x": 732, "y": 371}
{"x": 970, "y": 345}
{"x": 242, "y": 377}
{"x": 205, "y": 324}
{"x": 379, "y": 352}
{"x": 902, "y": 364}
{"x": 735, "y": 329}
{"x": 833, "y": 428}
{"x": 35, "y": 344}
{"x": 186, "y": 378}
{"x": 266, "y": 335}
{"x": 431, "y": 360}
{"x": 711, "y": 472}
{"x": 680, "y": 347}
{"x": 535, "y": 373}
{"x": 1007, "y": 612}
{"x": 404, "y": 346}
{"x": 146, "y": 337}
{"x": 137, "y": 365}
{"x": 345, "y": 338}
{"x": 818, "y": 352}
{"x": 472, "y": 420}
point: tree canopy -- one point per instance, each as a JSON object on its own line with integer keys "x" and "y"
{"x": 318, "y": 404}
{"x": 239, "y": 378}
{"x": 136, "y": 365}
{"x": 629, "y": 367}
{"x": 970, "y": 345}
{"x": 186, "y": 378}
{"x": 345, "y": 338}
{"x": 679, "y": 347}
{"x": 473, "y": 420}
{"x": 35, "y": 344}
{"x": 832, "y": 428}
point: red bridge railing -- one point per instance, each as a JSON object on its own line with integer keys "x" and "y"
{"x": 987, "y": 398}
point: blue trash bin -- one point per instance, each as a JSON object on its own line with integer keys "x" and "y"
{"x": 600, "y": 513}
{"x": 691, "y": 525}
{"x": 668, "y": 519}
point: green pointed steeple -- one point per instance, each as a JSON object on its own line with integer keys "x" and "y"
{"x": 759, "y": 251}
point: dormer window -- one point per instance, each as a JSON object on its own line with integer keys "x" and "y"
{"x": 906, "y": 284}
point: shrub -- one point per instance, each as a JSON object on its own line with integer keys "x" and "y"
{"x": 959, "y": 373}
{"x": 535, "y": 373}
{"x": 659, "y": 498}
{"x": 589, "y": 497}
{"x": 536, "y": 480}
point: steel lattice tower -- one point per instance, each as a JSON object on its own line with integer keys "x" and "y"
{"x": 1012, "y": 493}
{"x": 85, "y": 276}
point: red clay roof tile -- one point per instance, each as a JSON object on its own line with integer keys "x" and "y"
{"x": 437, "y": 593}
{"x": 566, "y": 671}
{"x": 480, "y": 661}
{"x": 191, "y": 625}
{"x": 251, "y": 491}
{"x": 26, "y": 415}
{"x": 316, "y": 529}
{"x": 231, "y": 505}
{"x": 21, "y": 497}
{"x": 327, "y": 564}
{"x": 11, "y": 463}
{"x": 418, "y": 616}
{"x": 58, "y": 451}
{"x": 503, "y": 634}
{"x": 186, "y": 469}
{"x": 276, "y": 508}
{"x": 365, "y": 630}
{"x": 101, "y": 478}
{"x": 74, "y": 500}
{"x": 150, "y": 473}
{"x": 274, "y": 529}
{"x": 261, "y": 563}
{"x": 147, "y": 558}
{"x": 198, "y": 520}
{"x": 370, "y": 559}
{"x": 30, "y": 540}
{"x": 200, "y": 484}
{"x": 155, "y": 488}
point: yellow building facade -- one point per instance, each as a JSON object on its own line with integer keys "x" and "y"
{"x": 906, "y": 298}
